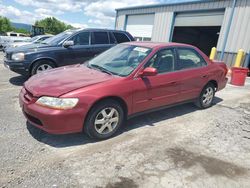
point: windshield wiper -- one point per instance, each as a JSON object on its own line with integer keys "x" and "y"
{"x": 100, "y": 68}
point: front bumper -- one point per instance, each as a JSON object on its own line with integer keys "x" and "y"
{"x": 18, "y": 67}
{"x": 51, "y": 120}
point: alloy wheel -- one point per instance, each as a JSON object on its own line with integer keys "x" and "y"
{"x": 43, "y": 67}
{"x": 207, "y": 96}
{"x": 106, "y": 120}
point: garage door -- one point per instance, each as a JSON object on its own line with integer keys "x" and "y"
{"x": 199, "y": 29}
{"x": 140, "y": 26}
{"x": 199, "y": 19}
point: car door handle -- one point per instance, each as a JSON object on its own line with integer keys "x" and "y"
{"x": 204, "y": 76}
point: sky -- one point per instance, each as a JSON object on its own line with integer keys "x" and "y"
{"x": 78, "y": 13}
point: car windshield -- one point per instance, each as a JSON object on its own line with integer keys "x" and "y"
{"x": 120, "y": 60}
{"x": 33, "y": 39}
{"x": 58, "y": 38}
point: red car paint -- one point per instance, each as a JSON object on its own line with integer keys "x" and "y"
{"x": 91, "y": 86}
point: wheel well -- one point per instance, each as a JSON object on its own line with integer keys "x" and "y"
{"x": 46, "y": 59}
{"x": 117, "y": 99}
{"x": 214, "y": 83}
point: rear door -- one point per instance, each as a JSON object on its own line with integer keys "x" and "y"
{"x": 193, "y": 72}
{"x": 99, "y": 42}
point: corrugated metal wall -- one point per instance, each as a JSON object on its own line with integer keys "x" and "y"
{"x": 239, "y": 34}
{"x": 162, "y": 26}
{"x": 120, "y": 22}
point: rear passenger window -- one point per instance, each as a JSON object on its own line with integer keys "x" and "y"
{"x": 99, "y": 38}
{"x": 81, "y": 38}
{"x": 121, "y": 37}
{"x": 189, "y": 58}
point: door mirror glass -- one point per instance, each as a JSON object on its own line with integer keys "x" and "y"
{"x": 149, "y": 71}
{"x": 68, "y": 43}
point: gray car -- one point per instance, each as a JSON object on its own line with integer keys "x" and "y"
{"x": 36, "y": 39}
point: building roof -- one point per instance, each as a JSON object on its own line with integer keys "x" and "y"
{"x": 166, "y": 4}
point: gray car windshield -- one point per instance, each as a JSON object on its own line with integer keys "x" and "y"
{"x": 120, "y": 60}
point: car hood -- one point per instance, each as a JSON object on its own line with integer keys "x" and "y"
{"x": 62, "y": 80}
{"x": 34, "y": 47}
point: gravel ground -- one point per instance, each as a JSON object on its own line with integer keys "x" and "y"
{"x": 177, "y": 147}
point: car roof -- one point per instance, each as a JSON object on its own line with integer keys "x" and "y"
{"x": 98, "y": 29}
{"x": 157, "y": 44}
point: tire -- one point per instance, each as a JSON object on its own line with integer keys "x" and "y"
{"x": 42, "y": 63}
{"x": 101, "y": 127}
{"x": 206, "y": 102}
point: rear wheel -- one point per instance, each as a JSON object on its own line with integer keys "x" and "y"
{"x": 41, "y": 66}
{"x": 104, "y": 119}
{"x": 206, "y": 96}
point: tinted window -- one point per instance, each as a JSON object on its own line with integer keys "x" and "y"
{"x": 189, "y": 58}
{"x": 100, "y": 38}
{"x": 111, "y": 38}
{"x": 13, "y": 34}
{"x": 163, "y": 61}
{"x": 121, "y": 37}
{"x": 81, "y": 38}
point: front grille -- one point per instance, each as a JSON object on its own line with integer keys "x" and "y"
{"x": 33, "y": 119}
{"x": 8, "y": 56}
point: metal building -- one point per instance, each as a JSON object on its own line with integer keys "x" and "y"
{"x": 224, "y": 24}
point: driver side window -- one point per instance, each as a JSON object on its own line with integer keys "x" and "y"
{"x": 163, "y": 61}
{"x": 81, "y": 38}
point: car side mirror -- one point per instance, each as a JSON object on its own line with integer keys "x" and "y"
{"x": 68, "y": 43}
{"x": 149, "y": 71}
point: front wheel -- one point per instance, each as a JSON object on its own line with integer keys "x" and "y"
{"x": 104, "y": 119}
{"x": 41, "y": 66}
{"x": 206, "y": 97}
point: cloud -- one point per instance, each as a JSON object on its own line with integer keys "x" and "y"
{"x": 100, "y": 13}
{"x": 17, "y": 15}
{"x": 62, "y": 5}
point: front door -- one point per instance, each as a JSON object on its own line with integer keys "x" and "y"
{"x": 162, "y": 89}
{"x": 81, "y": 49}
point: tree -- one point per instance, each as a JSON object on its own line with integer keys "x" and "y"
{"x": 52, "y": 25}
{"x": 5, "y": 25}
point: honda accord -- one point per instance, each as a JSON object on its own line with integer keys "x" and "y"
{"x": 129, "y": 79}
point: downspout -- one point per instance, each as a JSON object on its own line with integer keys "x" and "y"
{"x": 227, "y": 31}
{"x": 172, "y": 28}
{"x": 125, "y": 23}
{"x": 115, "y": 18}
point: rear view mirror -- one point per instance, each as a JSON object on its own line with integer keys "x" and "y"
{"x": 149, "y": 71}
{"x": 68, "y": 43}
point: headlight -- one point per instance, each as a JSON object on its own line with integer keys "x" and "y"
{"x": 18, "y": 56}
{"x": 57, "y": 103}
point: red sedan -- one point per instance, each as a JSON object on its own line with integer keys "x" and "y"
{"x": 126, "y": 80}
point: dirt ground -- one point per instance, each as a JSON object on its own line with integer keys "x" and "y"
{"x": 177, "y": 147}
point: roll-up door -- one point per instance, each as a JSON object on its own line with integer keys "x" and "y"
{"x": 201, "y": 29}
{"x": 199, "y": 19}
{"x": 140, "y": 26}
